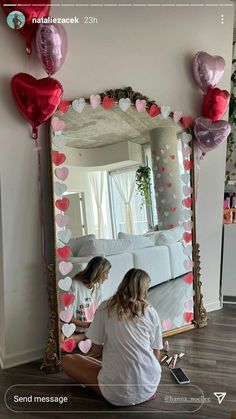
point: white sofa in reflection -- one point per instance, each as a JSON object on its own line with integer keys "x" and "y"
{"x": 160, "y": 254}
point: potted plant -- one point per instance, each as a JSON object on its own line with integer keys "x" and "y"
{"x": 143, "y": 182}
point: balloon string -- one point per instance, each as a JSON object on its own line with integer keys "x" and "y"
{"x": 41, "y": 209}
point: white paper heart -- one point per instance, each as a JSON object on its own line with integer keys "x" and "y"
{"x": 65, "y": 284}
{"x": 66, "y": 315}
{"x": 163, "y": 201}
{"x": 186, "y": 151}
{"x": 187, "y": 190}
{"x": 59, "y": 188}
{"x": 186, "y": 138}
{"x": 167, "y": 146}
{"x": 59, "y": 140}
{"x": 188, "y": 225}
{"x": 157, "y": 158}
{"x": 171, "y": 174}
{"x": 159, "y": 175}
{"x": 177, "y": 116}
{"x": 188, "y": 291}
{"x": 189, "y": 304}
{"x": 64, "y": 235}
{"x": 188, "y": 264}
{"x": 180, "y": 223}
{"x": 185, "y": 178}
{"x": 161, "y": 189}
{"x": 95, "y": 101}
{"x": 175, "y": 196}
{"x": 78, "y": 104}
{"x": 65, "y": 267}
{"x": 178, "y": 321}
{"x": 165, "y": 111}
{"x": 188, "y": 250}
{"x": 166, "y": 213}
{"x": 68, "y": 329}
{"x": 165, "y": 160}
{"x": 187, "y": 213}
{"x": 124, "y": 104}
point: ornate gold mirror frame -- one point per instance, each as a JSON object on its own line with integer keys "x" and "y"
{"x": 51, "y": 361}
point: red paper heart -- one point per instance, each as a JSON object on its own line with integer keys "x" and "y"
{"x": 173, "y": 209}
{"x": 187, "y": 237}
{"x": 215, "y": 103}
{"x": 63, "y": 252}
{"x": 168, "y": 185}
{"x": 187, "y": 121}
{"x": 67, "y": 299}
{"x": 36, "y": 100}
{"x": 187, "y": 202}
{"x": 162, "y": 169}
{"x": 62, "y": 204}
{"x": 58, "y": 158}
{"x": 188, "y": 164}
{"x": 64, "y": 106}
{"x": 188, "y": 316}
{"x": 188, "y": 279}
{"x": 170, "y": 226}
{"x": 154, "y": 110}
{"x": 172, "y": 157}
{"x": 108, "y": 102}
{"x": 69, "y": 345}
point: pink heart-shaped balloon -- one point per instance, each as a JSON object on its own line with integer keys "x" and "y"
{"x": 69, "y": 345}
{"x": 177, "y": 115}
{"x": 140, "y": 105}
{"x": 85, "y": 345}
{"x": 188, "y": 279}
{"x": 58, "y": 124}
{"x": 66, "y": 315}
{"x": 187, "y": 190}
{"x": 61, "y": 173}
{"x": 188, "y": 264}
{"x": 210, "y": 134}
{"x": 62, "y": 220}
{"x": 95, "y": 101}
{"x": 65, "y": 267}
{"x": 166, "y": 324}
{"x": 188, "y": 316}
{"x": 207, "y": 69}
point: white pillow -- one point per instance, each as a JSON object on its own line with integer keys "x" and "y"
{"x": 75, "y": 243}
{"x": 103, "y": 246}
{"x": 137, "y": 241}
{"x": 173, "y": 235}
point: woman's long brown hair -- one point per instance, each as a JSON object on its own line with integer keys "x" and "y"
{"x": 91, "y": 275}
{"x": 130, "y": 298}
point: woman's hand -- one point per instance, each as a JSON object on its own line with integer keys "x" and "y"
{"x": 157, "y": 353}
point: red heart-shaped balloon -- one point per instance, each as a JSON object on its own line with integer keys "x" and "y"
{"x": 62, "y": 204}
{"x": 64, "y": 106}
{"x": 215, "y": 103}
{"x": 36, "y": 10}
{"x": 188, "y": 316}
{"x": 58, "y": 158}
{"x": 63, "y": 252}
{"x": 187, "y": 237}
{"x": 187, "y": 202}
{"x": 188, "y": 279}
{"x": 67, "y": 299}
{"x": 108, "y": 102}
{"x": 37, "y": 100}
{"x": 154, "y": 110}
{"x": 69, "y": 345}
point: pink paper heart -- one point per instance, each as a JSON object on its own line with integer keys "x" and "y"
{"x": 187, "y": 151}
{"x": 85, "y": 345}
{"x": 61, "y": 173}
{"x": 166, "y": 324}
{"x": 95, "y": 100}
{"x": 188, "y": 225}
{"x": 140, "y": 105}
{"x": 61, "y": 220}
{"x": 177, "y": 116}
{"x": 189, "y": 304}
{"x": 58, "y": 124}
{"x": 66, "y": 315}
{"x": 65, "y": 267}
{"x": 188, "y": 264}
{"x": 187, "y": 190}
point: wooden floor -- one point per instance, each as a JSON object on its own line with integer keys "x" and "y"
{"x": 210, "y": 363}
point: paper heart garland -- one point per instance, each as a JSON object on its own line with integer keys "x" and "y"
{"x": 108, "y": 102}
{"x": 66, "y": 315}
{"x": 185, "y": 177}
{"x": 140, "y": 105}
{"x": 207, "y": 69}
{"x": 63, "y": 252}
{"x": 64, "y": 106}
{"x": 124, "y": 104}
{"x": 188, "y": 164}
{"x": 187, "y": 213}
{"x": 154, "y": 110}
{"x": 78, "y": 105}
{"x": 36, "y": 100}
{"x": 59, "y": 188}
{"x": 178, "y": 321}
{"x": 165, "y": 111}
{"x": 61, "y": 220}
{"x": 215, "y": 103}
{"x": 57, "y": 124}
{"x": 187, "y": 202}
{"x": 189, "y": 304}
{"x": 95, "y": 101}
{"x": 64, "y": 235}
{"x": 172, "y": 156}
{"x": 210, "y": 134}
{"x": 187, "y": 190}
{"x": 186, "y": 138}
{"x": 188, "y": 316}
{"x": 62, "y": 204}
{"x": 188, "y": 225}
{"x": 65, "y": 267}
{"x": 177, "y": 115}
{"x": 166, "y": 324}
{"x": 188, "y": 279}
{"x": 59, "y": 140}
{"x": 69, "y": 345}
{"x": 65, "y": 284}
{"x": 187, "y": 121}
{"x": 67, "y": 299}
{"x": 187, "y": 237}
{"x": 188, "y": 264}
{"x": 188, "y": 250}
{"x": 68, "y": 329}
{"x": 85, "y": 345}
{"x": 186, "y": 151}
{"x": 61, "y": 173}
{"x": 58, "y": 158}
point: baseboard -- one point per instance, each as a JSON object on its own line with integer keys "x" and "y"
{"x": 216, "y": 305}
{"x": 21, "y": 358}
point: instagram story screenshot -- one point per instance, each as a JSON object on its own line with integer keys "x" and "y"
{"x": 117, "y": 209}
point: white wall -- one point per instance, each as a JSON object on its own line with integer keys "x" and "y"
{"x": 148, "y": 48}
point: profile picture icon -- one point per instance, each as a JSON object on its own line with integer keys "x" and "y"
{"x": 16, "y": 20}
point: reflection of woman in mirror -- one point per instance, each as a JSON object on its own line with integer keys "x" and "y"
{"x": 86, "y": 287}
{"x": 126, "y": 330}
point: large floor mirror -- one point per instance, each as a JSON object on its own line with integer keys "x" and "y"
{"x": 122, "y": 175}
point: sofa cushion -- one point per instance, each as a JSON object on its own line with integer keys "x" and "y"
{"x": 75, "y": 243}
{"x": 137, "y": 241}
{"x": 106, "y": 247}
{"x": 173, "y": 235}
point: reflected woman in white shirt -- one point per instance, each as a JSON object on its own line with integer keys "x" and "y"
{"x": 126, "y": 330}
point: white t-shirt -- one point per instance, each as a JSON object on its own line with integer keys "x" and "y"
{"x": 130, "y": 371}
{"x": 85, "y": 303}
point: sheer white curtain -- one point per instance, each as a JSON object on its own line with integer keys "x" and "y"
{"x": 125, "y": 184}
{"x": 97, "y": 181}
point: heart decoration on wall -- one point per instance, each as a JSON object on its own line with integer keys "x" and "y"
{"x": 62, "y": 204}
{"x": 188, "y": 279}
{"x": 166, "y": 324}
{"x": 95, "y": 101}
{"x": 165, "y": 111}
{"x": 188, "y": 316}
{"x": 154, "y": 110}
{"x": 187, "y": 202}
{"x": 66, "y": 315}
{"x": 188, "y": 264}
{"x": 59, "y": 188}
{"x": 61, "y": 220}
{"x": 64, "y": 235}
{"x": 140, "y": 105}
{"x": 57, "y": 124}
{"x": 108, "y": 102}
{"x": 69, "y": 345}
{"x": 65, "y": 283}
{"x": 64, "y": 106}
{"x": 177, "y": 115}
{"x": 61, "y": 173}
{"x": 186, "y": 138}
{"x": 187, "y": 237}
{"x": 67, "y": 299}
{"x": 68, "y": 329}
{"x": 64, "y": 252}
{"x": 78, "y": 105}
{"x": 58, "y": 158}
{"x": 85, "y": 345}
{"x": 124, "y": 104}
{"x": 65, "y": 267}
{"x": 59, "y": 140}
{"x": 188, "y": 250}
{"x": 187, "y": 121}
